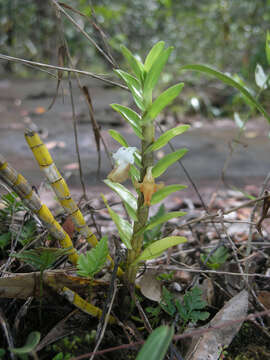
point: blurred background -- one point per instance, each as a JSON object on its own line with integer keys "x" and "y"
{"x": 228, "y": 35}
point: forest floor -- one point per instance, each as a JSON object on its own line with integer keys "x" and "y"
{"x": 23, "y": 103}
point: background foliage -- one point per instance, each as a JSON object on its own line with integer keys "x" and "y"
{"x": 226, "y": 33}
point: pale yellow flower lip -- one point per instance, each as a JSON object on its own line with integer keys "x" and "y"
{"x": 124, "y": 157}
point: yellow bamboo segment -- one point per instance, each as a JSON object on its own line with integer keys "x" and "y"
{"x": 60, "y": 188}
{"x": 82, "y": 304}
{"x": 58, "y": 184}
{"x": 21, "y": 186}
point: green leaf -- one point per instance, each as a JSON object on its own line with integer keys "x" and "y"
{"x": 93, "y": 261}
{"x": 164, "y": 99}
{"x": 229, "y": 81}
{"x": 167, "y": 136}
{"x": 124, "y": 228}
{"x": 153, "y": 75}
{"x": 156, "y": 248}
{"x": 166, "y": 161}
{"x": 157, "y": 344}
{"x": 134, "y": 86}
{"x": 182, "y": 310}
{"x": 218, "y": 258}
{"x": 134, "y": 63}
{"x": 126, "y": 196}
{"x": 164, "y": 192}
{"x": 28, "y": 232}
{"x": 5, "y": 240}
{"x": 267, "y": 47}
{"x": 199, "y": 315}
{"x": 153, "y": 55}
{"x": 155, "y": 233}
{"x": 118, "y": 137}
{"x": 260, "y": 77}
{"x": 193, "y": 299}
{"x": 42, "y": 258}
{"x": 31, "y": 342}
{"x": 164, "y": 218}
{"x": 189, "y": 310}
{"x": 167, "y": 302}
{"x": 131, "y": 117}
{"x": 134, "y": 172}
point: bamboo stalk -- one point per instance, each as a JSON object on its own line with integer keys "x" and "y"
{"x": 21, "y": 187}
{"x": 24, "y": 285}
{"x": 82, "y": 304}
{"x": 60, "y": 188}
{"x": 59, "y": 185}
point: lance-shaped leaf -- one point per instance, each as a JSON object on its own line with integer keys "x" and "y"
{"x": 156, "y": 344}
{"x": 164, "y": 99}
{"x": 156, "y": 248}
{"x": 164, "y": 218}
{"x": 164, "y": 192}
{"x": 124, "y": 228}
{"x": 93, "y": 260}
{"x": 267, "y": 47}
{"x": 126, "y": 196}
{"x": 153, "y": 75}
{"x": 167, "y": 136}
{"x": 135, "y": 173}
{"x": 134, "y": 63}
{"x": 131, "y": 117}
{"x": 118, "y": 137}
{"x": 153, "y": 55}
{"x": 229, "y": 81}
{"x": 134, "y": 86}
{"x": 166, "y": 161}
{"x": 30, "y": 345}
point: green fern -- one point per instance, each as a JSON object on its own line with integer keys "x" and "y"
{"x": 93, "y": 261}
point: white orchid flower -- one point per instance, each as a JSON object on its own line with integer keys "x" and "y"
{"x": 124, "y": 157}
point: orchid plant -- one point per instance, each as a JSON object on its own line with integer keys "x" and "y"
{"x": 139, "y": 165}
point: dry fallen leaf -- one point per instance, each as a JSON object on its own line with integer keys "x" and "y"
{"x": 209, "y": 345}
{"x": 264, "y": 298}
{"x": 150, "y": 286}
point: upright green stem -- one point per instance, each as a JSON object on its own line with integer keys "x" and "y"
{"x": 148, "y": 131}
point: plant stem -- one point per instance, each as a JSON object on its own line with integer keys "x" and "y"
{"x": 148, "y": 131}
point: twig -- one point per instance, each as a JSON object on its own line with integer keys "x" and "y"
{"x": 107, "y": 307}
{"x": 235, "y": 254}
{"x": 21, "y": 313}
{"x": 208, "y": 217}
{"x": 55, "y": 67}
{"x": 142, "y": 313}
{"x": 75, "y": 130}
{"x": 177, "y": 268}
{"x": 252, "y": 216}
{"x": 7, "y": 332}
{"x": 82, "y": 31}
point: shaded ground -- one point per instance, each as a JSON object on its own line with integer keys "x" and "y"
{"x": 22, "y": 104}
